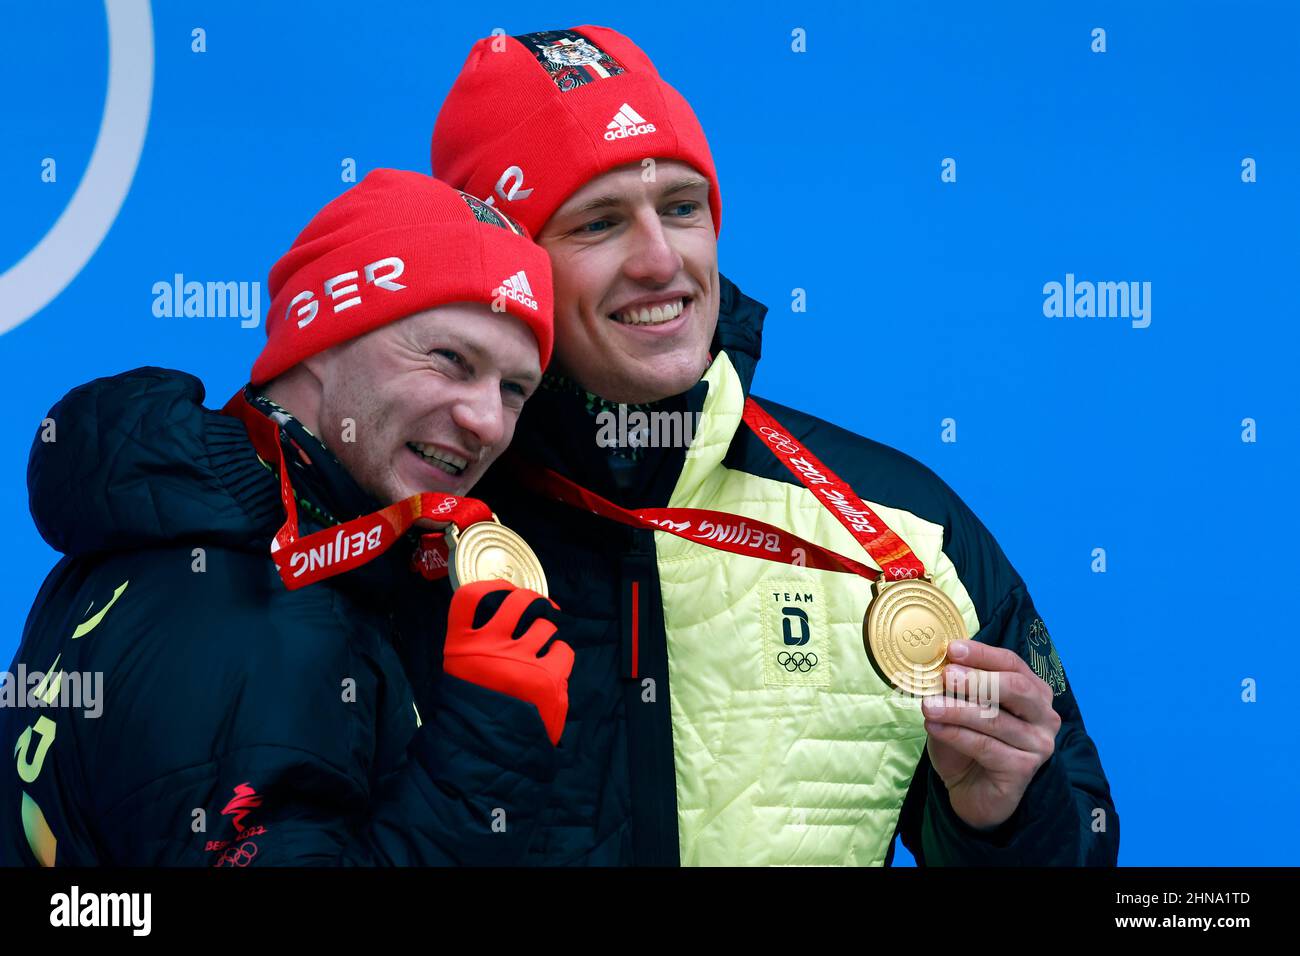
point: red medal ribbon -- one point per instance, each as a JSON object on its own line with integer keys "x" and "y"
{"x": 749, "y": 536}
{"x": 714, "y": 529}
{"x": 886, "y": 548}
{"x": 335, "y": 550}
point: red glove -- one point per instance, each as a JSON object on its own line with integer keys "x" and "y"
{"x": 497, "y": 656}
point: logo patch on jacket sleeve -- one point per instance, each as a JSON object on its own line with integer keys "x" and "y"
{"x": 796, "y": 645}
{"x": 1042, "y": 658}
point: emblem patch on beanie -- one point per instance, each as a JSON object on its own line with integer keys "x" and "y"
{"x": 492, "y": 217}
{"x": 570, "y": 58}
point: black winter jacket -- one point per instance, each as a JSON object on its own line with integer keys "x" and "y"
{"x": 238, "y": 722}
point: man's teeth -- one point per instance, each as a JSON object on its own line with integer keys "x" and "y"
{"x": 447, "y": 462}
{"x": 657, "y": 315}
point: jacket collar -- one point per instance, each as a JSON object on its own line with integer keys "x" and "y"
{"x": 740, "y": 330}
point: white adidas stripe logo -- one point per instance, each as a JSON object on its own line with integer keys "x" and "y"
{"x": 627, "y": 122}
{"x": 516, "y": 287}
{"x": 519, "y": 282}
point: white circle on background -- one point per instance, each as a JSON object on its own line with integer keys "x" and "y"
{"x": 33, "y": 282}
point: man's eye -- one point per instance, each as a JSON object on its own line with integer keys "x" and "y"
{"x": 596, "y": 225}
{"x": 516, "y": 389}
{"x": 689, "y": 208}
{"x": 450, "y": 355}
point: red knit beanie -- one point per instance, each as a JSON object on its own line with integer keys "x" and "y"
{"x": 533, "y": 118}
{"x": 395, "y": 244}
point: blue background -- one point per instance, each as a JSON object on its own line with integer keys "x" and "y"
{"x": 924, "y": 298}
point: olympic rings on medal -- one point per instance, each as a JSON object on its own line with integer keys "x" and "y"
{"x": 797, "y": 661}
{"x": 915, "y": 637}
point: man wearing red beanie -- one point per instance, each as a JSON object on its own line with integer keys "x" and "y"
{"x": 757, "y": 607}
{"x": 247, "y": 583}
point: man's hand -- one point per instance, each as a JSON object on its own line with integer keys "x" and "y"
{"x": 499, "y": 637}
{"x": 986, "y": 762}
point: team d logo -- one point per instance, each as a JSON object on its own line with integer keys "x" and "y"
{"x": 795, "y": 644}
{"x": 794, "y": 626}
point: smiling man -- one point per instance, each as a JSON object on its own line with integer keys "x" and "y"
{"x": 245, "y": 580}
{"x": 417, "y": 431}
{"x": 635, "y": 326}
{"x": 724, "y": 709}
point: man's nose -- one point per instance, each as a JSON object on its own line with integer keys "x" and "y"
{"x": 652, "y": 258}
{"x": 479, "y": 410}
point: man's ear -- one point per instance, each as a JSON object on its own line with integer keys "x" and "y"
{"x": 317, "y": 367}
{"x": 299, "y": 390}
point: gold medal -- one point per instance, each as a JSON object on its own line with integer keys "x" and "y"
{"x": 488, "y": 550}
{"x": 907, "y": 630}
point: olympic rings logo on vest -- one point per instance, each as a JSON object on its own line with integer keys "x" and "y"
{"x": 797, "y": 661}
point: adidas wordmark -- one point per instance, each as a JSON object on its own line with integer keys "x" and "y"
{"x": 627, "y": 122}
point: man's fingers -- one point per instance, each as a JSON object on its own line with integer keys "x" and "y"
{"x": 538, "y": 632}
{"x": 989, "y": 752}
{"x": 474, "y": 604}
{"x": 512, "y": 605}
{"x": 562, "y": 654}
{"x": 537, "y": 609}
{"x": 1024, "y": 694}
{"x": 987, "y": 719}
{"x": 986, "y": 657}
